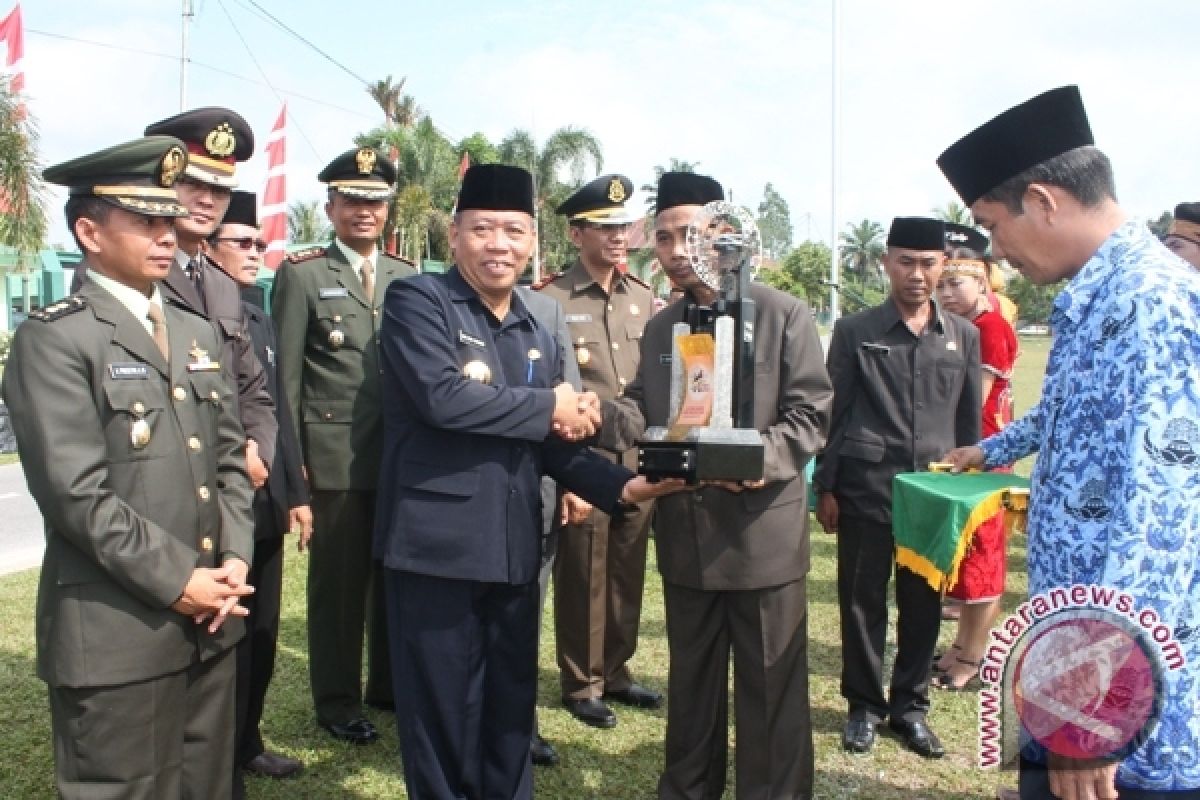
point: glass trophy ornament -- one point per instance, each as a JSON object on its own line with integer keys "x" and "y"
{"x": 710, "y": 435}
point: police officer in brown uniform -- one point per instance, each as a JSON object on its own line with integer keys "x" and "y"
{"x": 326, "y": 306}
{"x": 216, "y": 140}
{"x": 601, "y": 562}
{"x": 132, "y": 451}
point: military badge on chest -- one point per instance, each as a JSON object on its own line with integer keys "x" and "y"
{"x": 198, "y": 360}
{"x": 475, "y": 369}
{"x": 337, "y": 337}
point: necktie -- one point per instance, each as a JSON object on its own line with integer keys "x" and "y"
{"x": 158, "y": 329}
{"x": 368, "y": 281}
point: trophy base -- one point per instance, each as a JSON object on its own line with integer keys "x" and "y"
{"x": 705, "y": 454}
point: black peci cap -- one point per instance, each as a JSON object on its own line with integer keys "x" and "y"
{"x": 496, "y": 187}
{"x": 965, "y": 236}
{"x": 686, "y": 189}
{"x": 917, "y": 233}
{"x": 243, "y": 209}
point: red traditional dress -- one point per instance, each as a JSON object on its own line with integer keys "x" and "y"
{"x": 983, "y": 569}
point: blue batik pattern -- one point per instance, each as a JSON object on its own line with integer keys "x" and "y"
{"x": 1116, "y": 489}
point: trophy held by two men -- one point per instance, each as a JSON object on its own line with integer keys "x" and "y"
{"x": 711, "y": 435}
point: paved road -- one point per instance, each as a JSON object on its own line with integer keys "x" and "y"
{"x": 21, "y": 538}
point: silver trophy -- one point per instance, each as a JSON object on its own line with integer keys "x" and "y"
{"x": 725, "y": 249}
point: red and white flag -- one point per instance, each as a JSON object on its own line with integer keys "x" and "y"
{"x": 273, "y": 214}
{"x": 12, "y": 35}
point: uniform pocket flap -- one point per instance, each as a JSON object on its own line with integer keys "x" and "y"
{"x": 439, "y": 478}
{"x": 231, "y": 327}
{"x": 633, "y": 330}
{"x": 329, "y": 411}
{"x": 134, "y": 398}
{"x": 864, "y": 445}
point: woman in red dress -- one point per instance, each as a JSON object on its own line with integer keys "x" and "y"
{"x": 962, "y": 290}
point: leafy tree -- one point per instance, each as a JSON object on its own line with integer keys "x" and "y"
{"x": 862, "y": 249}
{"x": 857, "y": 294}
{"x": 22, "y": 192}
{"x": 1034, "y": 303}
{"x": 479, "y": 148}
{"x": 307, "y": 222}
{"x": 954, "y": 211}
{"x": 570, "y": 150}
{"x": 803, "y": 273}
{"x": 398, "y": 108}
{"x": 1161, "y": 225}
{"x": 775, "y": 223}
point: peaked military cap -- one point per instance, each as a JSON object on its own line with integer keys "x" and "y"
{"x": 216, "y": 139}
{"x": 137, "y": 176}
{"x": 1026, "y": 135}
{"x": 601, "y": 201}
{"x": 243, "y": 209}
{"x": 1186, "y": 224}
{"x": 496, "y": 187}
{"x": 361, "y": 172}
{"x": 686, "y": 189}
{"x": 917, "y": 233}
{"x": 965, "y": 236}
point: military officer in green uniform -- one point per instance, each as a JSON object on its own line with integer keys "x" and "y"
{"x": 133, "y": 452}
{"x": 601, "y": 564}
{"x": 326, "y": 305}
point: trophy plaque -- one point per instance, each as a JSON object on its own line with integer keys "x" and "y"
{"x": 711, "y": 434}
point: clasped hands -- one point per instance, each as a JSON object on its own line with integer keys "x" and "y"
{"x": 576, "y": 414}
{"x": 212, "y": 595}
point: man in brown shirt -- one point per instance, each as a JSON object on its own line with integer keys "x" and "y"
{"x": 601, "y": 563}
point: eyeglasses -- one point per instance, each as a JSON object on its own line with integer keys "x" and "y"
{"x": 245, "y": 242}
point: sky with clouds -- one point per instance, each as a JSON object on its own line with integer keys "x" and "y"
{"x": 744, "y": 88}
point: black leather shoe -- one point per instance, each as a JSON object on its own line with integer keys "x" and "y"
{"x": 859, "y": 736}
{"x": 273, "y": 765}
{"x": 637, "y": 696}
{"x": 918, "y": 737}
{"x": 591, "y": 712}
{"x": 356, "y": 731}
{"x": 542, "y": 752}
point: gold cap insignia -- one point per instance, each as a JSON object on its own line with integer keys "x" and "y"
{"x": 478, "y": 371}
{"x": 616, "y": 191}
{"x": 336, "y": 339}
{"x": 365, "y": 159}
{"x": 172, "y": 165}
{"x": 220, "y": 142}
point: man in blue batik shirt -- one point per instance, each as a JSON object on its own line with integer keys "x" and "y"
{"x": 1116, "y": 489}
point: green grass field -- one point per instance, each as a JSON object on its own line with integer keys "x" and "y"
{"x": 619, "y": 763}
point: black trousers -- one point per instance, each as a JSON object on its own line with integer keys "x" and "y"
{"x": 345, "y": 597}
{"x": 464, "y": 666}
{"x": 866, "y": 554}
{"x": 766, "y": 631}
{"x": 1035, "y": 785}
{"x": 255, "y": 653}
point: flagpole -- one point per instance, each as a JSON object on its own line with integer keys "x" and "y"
{"x": 188, "y": 13}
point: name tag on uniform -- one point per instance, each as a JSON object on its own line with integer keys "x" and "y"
{"x": 664, "y": 358}
{"x": 952, "y": 345}
{"x": 578, "y": 318}
{"x": 128, "y": 372}
{"x": 877, "y": 349}
{"x": 466, "y": 338}
{"x": 336, "y": 291}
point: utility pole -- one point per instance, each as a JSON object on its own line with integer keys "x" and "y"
{"x": 835, "y": 125}
{"x": 188, "y": 14}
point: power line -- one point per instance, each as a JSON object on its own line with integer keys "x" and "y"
{"x": 199, "y": 64}
{"x": 267, "y": 80}
{"x": 323, "y": 54}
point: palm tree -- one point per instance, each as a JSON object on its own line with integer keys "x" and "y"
{"x": 407, "y": 112}
{"x": 861, "y": 246}
{"x": 568, "y": 149}
{"x": 22, "y": 192}
{"x": 954, "y": 212}
{"x": 307, "y": 223}
{"x": 387, "y": 94}
{"x": 676, "y": 165}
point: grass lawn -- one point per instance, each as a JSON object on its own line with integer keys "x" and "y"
{"x": 619, "y": 763}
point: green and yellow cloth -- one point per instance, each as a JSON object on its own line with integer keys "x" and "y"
{"x": 935, "y": 515}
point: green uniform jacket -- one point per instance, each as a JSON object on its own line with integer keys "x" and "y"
{"x": 125, "y": 525}
{"x": 329, "y": 362}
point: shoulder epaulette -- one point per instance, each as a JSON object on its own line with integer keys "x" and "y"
{"x": 639, "y": 281}
{"x": 546, "y": 281}
{"x": 63, "y": 308}
{"x": 307, "y": 254}
{"x": 402, "y": 260}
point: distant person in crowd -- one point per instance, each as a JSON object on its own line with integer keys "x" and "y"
{"x": 1183, "y": 237}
